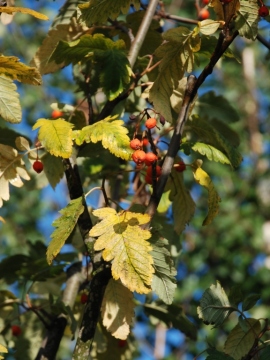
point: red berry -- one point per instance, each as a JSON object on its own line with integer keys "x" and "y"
{"x": 16, "y": 330}
{"x": 181, "y": 166}
{"x": 122, "y": 343}
{"x": 149, "y": 180}
{"x": 149, "y": 171}
{"x": 150, "y": 158}
{"x": 263, "y": 11}
{"x": 84, "y": 298}
{"x": 135, "y": 144}
{"x": 204, "y": 14}
{"x": 57, "y": 114}
{"x": 138, "y": 156}
{"x": 38, "y": 166}
{"x": 205, "y": 2}
{"x": 151, "y": 123}
{"x": 145, "y": 141}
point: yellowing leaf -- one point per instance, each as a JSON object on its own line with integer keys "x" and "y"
{"x": 117, "y": 309}
{"x": 183, "y": 205}
{"x": 22, "y": 143}
{"x": 209, "y": 27}
{"x": 55, "y": 136}
{"x": 12, "y": 9}
{"x": 124, "y": 242}
{"x": 64, "y": 226}
{"x": 204, "y": 180}
{"x": 11, "y": 67}
{"x": 2, "y": 220}
{"x": 11, "y": 170}
{"x": 247, "y": 19}
{"x": 110, "y": 132}
{"x": 10, "y": 108}
{"x": 3, "y": 349}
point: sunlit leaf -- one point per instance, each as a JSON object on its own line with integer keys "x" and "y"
{"x": 247, "y": 19}
{"x": 210, "y": 152}
{"x": 11, "y": 67}
{"x": 214, "y": 306}
{"x": 164, "y": 282}
{"x": 64, "y": 226}
{"x": 97, "y": 12}
{"x": 110, "y": 132}
{"x": 55, "y": 136}
{"x": 12, "y": 169}
{"x": 124, "y": 242}
{"x": 117, "y": 309}
{"x": 10, "y": 108}
{"x": 182, "y": 203}
{"x": 209, "y": 27}
{"x": 12, "y": 9}
{"x": 22, "y": 144}
{"x": 239, "y": 342}
{"x": 204, "y": 180}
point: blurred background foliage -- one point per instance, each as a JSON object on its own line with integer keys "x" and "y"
{"x": 234, "y": 249}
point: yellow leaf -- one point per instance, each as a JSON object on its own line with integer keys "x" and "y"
{"x": 11, "y": 67}
{"x": 2, "y": 220}
{"x": 22, "y": 144}
{"x": 11, "y": 170}
{"x": 204, "y": 180}
{"x": 12, "y": 9}
{"x": 10, "y": 108}
{"x": 125, "y": 243}
{"x": 3, "y": 349}
{"x": 209, "y": 27}
{"x": 55, "y": 136}
{"x": 117, "y": 309}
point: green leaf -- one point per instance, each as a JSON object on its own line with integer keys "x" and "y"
{"x": 177, "y": 56}
{"x": 247, "y": 19}
{"x": 239, "y": 342}
{"x": 8, "y": 137}
{"x": 173, "y": 315}
{"x": 208, "y": 134}
{"x": 250, "y": 301}
{"x": 216, "y": 106}
{"x": 214, "y": 306}
{"x": 55, "y": 136}
{"x": 235, "y": 295}
{"x": 210, "y": 152}
{"x": 204, "y": 180}
{"x": 10, "y": 108}
{"x": 164, "y": 282}
{"x": 265, "y": 353}
{"x": 108, "y": 58}
{"x": 214, "y": 354}
{"x": 110, "y": 132}
{"x": 67, "y": 12}
{"x": 64, "y": 226}
{"x": 183, "y": 205}
{"x": 53, "y": 168}
{"x": 97, "y": 12}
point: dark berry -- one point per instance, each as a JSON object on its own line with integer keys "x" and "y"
{"x": 38, "y": 166}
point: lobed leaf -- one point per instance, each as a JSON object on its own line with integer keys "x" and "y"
{"x": 239, "y": 342}
{"x": 214, "y": 306}
{"x": 97, "y": 12}
{"x": 124, "y": 242}
{"x": 55, "y": 136}
{"x": 204, "y": 180}
{"x": 247, "y": 19}
{"x": 10, "y": 108}
{"x": 11, "y": 67}
{"x": 110, "y": 132}
{"x": 177, "y": 57}
{"x": 117, "y": 309}
{"x": 64, "y": 226}
{"x": 164, "y": 282}
{"x": 183, "y": 205}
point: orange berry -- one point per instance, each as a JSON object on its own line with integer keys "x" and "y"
{"x": 181, "y": 166}
{"x": 205, "y": 2}
{"x": 149, "y": 171}
{"x": 135, "y": 144}
{"x": 57, "y": 114}
{"x": 138, "y": 156}
{"x": 151, "y": 123}
{"x": 145, "y": 141}
{"x": 204, "y": 14}
{"x": 150, "y": 158}
{"x": 38, "y": 166}
{"x": 16, "y": 330}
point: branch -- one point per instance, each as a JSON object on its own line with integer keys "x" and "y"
{"x": 192, "y": 87}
